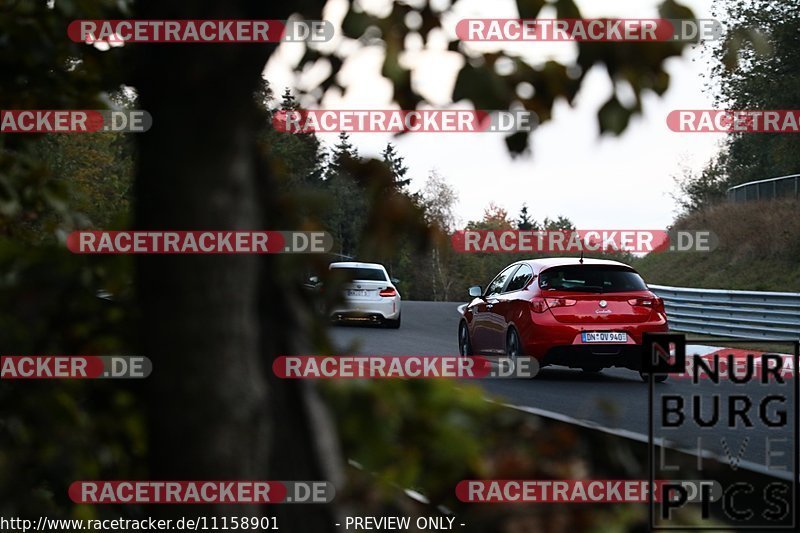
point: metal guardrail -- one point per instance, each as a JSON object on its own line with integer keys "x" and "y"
{"x": 745, "y": 314}
{"x": 782, "y": 187}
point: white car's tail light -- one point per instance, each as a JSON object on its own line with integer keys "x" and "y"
{"x": 388, "y": 292}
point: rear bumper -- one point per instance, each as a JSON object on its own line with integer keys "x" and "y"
{"x": 595, "y": 356}
{"x": 561, "y": 344}
{"x": 357, "y": 316}
{"x": 367, "y": 311}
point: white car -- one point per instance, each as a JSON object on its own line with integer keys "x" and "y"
{"x": 370, "y": 295}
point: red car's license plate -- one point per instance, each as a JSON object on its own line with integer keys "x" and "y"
{"x": 604, "y": 336}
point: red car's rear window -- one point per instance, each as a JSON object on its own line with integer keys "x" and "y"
{"x": 591, "y": 278}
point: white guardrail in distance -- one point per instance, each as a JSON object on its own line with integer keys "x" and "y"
{"x": 782, "y": 187}
{"x": 746, "y": 314}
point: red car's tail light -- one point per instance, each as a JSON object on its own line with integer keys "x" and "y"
{"x": 655, "y": 303}
{"x": 538, "y": 305}
{"x": 388, "y": 292}
{"x": 560, "y": 302}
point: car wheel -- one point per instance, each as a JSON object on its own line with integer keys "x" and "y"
{"x": 659, "y": 378}
{"x": 394, "y": 324}
{"x": 464, "y": 344}
{"x": 513, "y": 347}
{"x": 515, "y": 353}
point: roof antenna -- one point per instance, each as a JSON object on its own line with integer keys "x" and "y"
{"x": 581, "y": 259}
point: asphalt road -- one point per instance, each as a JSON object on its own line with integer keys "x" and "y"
{"x": 615, "y": 400}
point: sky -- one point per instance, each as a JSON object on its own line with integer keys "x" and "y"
{"x": 599, "y": 182}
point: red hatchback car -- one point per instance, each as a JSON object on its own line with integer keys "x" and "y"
{"x": 580, "y": 313}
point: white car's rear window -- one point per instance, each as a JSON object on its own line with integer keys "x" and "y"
{"x": 361, "y": 273}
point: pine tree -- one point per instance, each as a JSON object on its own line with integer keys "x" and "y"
{"x": 342, "y": 151}
{"x": 301, "y": 155}
{"x": 288, "y": 101}
{"x": 525, "y": 222}
{"x": 561, "y": 223}
{"x": 264, "y": 95}
{"x": 396, "y": 165}
{"x": 346, "y": 216}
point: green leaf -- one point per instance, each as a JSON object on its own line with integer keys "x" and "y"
{"x": 483, "y": 86}
{"x": 355, "y": 24}
{"x": 613, "y": 116}
{"x": 566, "y": 9}
{"x": 517, "y": 143}
{"x": 529, "y": 9}
{"x": 670, "y": 9}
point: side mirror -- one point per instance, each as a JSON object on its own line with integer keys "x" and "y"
{"x": 394, "y": 281}
{"x": 476, "y": 291}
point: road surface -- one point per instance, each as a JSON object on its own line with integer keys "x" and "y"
{"x": 615, "y": 400}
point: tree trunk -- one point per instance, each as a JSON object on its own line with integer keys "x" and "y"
{"x": 210, "y": 415}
